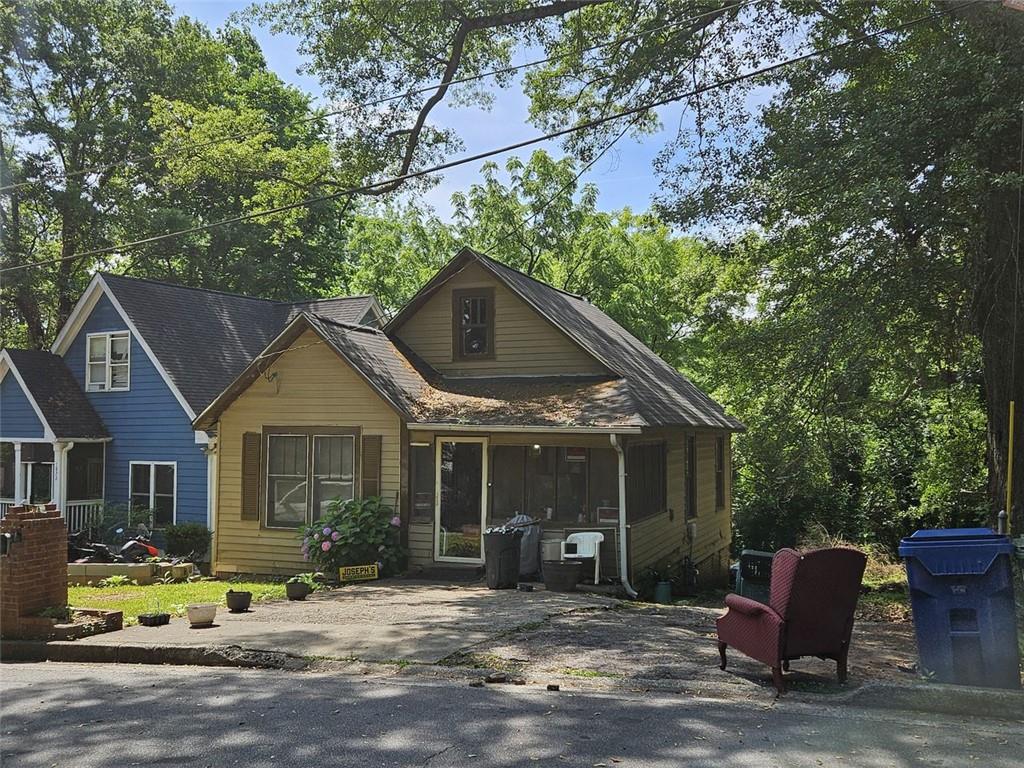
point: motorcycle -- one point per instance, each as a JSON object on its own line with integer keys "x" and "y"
{"x": 138, "y": 550}
{"x": 81, "y": 550}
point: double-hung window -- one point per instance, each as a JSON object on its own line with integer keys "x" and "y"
{"x": 305, "y": 473}
{"x": 473, "y": 313}
{"x": 152, "y": 486}
{"x": 107, "y": 364}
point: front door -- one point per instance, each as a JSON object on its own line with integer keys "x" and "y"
{"x": 461, "y": 499}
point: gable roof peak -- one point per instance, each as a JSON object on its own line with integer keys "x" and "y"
{"x": 481, "y": 256}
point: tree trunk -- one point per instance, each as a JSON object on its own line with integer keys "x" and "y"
{"x": 996, "y": 293}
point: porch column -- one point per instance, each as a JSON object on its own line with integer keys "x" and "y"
{"x": 19, "y": 477}
{"x": 62, "y": 485}
{"x": 58, "y": 474}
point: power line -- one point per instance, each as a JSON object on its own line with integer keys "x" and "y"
{"x": 568, "y": 185}
{"x": 489, "y": 153}
{"x": 386, "y": 99}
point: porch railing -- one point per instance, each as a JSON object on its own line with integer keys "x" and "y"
{"x": 78, "y": 515}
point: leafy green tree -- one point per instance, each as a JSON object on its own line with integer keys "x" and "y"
{"x": 120, "y": 122}
{"x": 882, "y": 174}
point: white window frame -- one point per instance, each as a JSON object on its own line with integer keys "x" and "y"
{"x": 106, "y": 387}
{"x": 484, "y": 443}
{"x": 152, "y": 484}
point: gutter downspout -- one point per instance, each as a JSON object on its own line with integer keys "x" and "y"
{"x": 623, "y": 551}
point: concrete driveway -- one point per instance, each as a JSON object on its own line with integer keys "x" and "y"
{"x": 399, "y": 621}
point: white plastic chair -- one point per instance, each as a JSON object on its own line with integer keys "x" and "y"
{"x": 588, "y": 545}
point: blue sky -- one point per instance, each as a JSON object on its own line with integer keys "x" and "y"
{"x": 624, "y": 175}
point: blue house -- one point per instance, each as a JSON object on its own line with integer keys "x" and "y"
{"x": 106, "y": 415}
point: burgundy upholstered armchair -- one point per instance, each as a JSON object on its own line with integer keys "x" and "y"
{"x": 809, "y": 613}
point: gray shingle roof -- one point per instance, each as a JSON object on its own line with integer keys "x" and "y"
{"x": 58, "y": 395}
{"x": 343, "y": 309}
{"x": 376, "y": 358}
{"x": 205, "y": 338}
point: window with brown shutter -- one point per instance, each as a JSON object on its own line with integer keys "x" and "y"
{"x": 473, "y": 324}
{"x": 371, "y": 465}
{"x": 251, "y": 442}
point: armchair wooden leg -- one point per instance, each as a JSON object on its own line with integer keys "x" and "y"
{"x": 721, "y": 652}
{"x": 780, "y": 684}
{"x": 841, "y": 665}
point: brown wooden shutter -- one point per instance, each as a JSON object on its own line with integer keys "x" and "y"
{"x": 251, "y": 444}
{"x": 371, "y": 465}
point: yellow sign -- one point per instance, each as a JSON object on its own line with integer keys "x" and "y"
{"x": 358, "y": 573}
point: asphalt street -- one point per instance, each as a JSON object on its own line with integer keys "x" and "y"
{"x": 125, "y": 715}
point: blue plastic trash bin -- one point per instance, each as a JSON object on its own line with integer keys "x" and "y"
{"x": 961, "y": 594}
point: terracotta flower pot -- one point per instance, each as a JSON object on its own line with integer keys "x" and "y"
{"x": 238, "y": 602}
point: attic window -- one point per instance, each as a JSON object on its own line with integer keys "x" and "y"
{"x": 107, "y": 363}
{"x": 473, "y": 326}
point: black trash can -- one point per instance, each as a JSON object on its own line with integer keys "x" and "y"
{"x": 961, "y": 591}
{"x": 501, "y": 558}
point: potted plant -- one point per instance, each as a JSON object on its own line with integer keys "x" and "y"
{"x": 238, "y": 602}
{"x": 299, "y": 586}
{"x": 154, "y": 617}
{"x": 201, "y": 614}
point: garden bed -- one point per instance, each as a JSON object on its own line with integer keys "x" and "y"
{"x": 69, "y": 624}
{"x": 171, "y": 598}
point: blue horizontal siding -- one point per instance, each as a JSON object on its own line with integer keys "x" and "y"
{"x": 147, "y": 423}
{"x": 17, "y": 416}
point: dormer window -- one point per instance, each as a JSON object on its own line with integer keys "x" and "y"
{"x": 473, "y": 315}
{"x": 107, "y": 363}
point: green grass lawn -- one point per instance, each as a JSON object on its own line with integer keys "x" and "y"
{"x": 167, "y": 598}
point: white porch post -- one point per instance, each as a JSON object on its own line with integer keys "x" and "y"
{"x": 58, "y": 474}
{"x": 62, "y": 482}
{"x": 19, "y": 476}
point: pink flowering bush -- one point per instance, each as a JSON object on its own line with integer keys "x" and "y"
{"x": 355, "y": 532}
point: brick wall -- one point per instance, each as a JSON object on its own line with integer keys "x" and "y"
{"x": 34, "y": 571}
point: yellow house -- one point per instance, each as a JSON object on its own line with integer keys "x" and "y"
{"x": 490, "y": 394}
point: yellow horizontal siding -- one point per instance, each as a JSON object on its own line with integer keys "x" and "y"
{"x": 312, "y": 387}
{"x": 421, "y": 544}
{"x": 524, "y": 342}
{"x": 663, "y": 538}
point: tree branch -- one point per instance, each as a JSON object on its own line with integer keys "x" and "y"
{"x": 466, "y": 27}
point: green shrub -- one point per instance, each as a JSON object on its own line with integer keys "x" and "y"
{"x": 355, "y": 532}
{"x": 187, "y": 539}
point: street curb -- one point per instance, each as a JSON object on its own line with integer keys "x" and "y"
{"x": 928, "y": 698}
{"x": 213, "y": 656}
{"x": 941, "y": 699}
